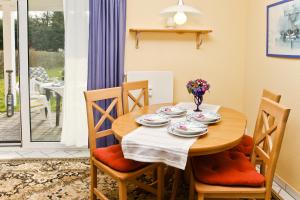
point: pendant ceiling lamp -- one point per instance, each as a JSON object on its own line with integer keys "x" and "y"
{"x": 179, "y": 11}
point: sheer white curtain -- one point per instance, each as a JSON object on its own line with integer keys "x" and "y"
{"x": 74, "y": 130}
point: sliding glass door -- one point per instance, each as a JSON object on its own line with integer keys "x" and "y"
{"x": 42, "y": 82}
{"x": 42, "y": 72}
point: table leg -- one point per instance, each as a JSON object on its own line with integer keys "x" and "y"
{"x": 177, "y": 175}
{"x": 191, "y": 187}
{"x": 48, "y": 95}
{"x": 58, "y": 99}
{"x": 189, "y": 178}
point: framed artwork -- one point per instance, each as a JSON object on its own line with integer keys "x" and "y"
{"x": 283, "y": 29}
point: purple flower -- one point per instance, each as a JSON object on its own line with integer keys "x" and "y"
{"x": 197, "y": 87}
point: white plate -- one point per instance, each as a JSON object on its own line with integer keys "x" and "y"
{"x": 189, "y": 127}
{"x": 205, "y": 117}
{"x": 212, "y": 122}
{"x": 140, "y": 121}
{"x": 172, "y": 110}
{"x": 154, "y": 119}
{"x": 174, "y": 132}
{"x": 160, "y": 111}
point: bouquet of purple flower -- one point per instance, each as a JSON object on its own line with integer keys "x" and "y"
{"x": 197, "y": 87}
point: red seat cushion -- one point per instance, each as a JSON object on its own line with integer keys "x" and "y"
{"x": 245, "y": 146}
{"x": 229, "y": 168}
{"x": 113, "y": 157}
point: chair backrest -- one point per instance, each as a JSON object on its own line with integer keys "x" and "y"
{"x": 94, "y": 96}
{"x": 272, "y": 96}
{"x": 128, "y": 88}
{"x": 38, "y": 73}
{"x": 268, "y": 140}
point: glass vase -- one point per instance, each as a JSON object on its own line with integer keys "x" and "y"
{"x": 198, "y": 101}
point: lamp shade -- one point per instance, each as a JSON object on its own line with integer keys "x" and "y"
{"x": 180, "y": 8}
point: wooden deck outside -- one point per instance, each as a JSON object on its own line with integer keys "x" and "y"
{"x": 10, "y": 128}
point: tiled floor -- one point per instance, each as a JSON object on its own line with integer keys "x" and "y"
{"x": 10, "y": 128}
{"x": 19, "y": 154}
{"x": 280, "y": 189}
{"x": 284, "y": 190}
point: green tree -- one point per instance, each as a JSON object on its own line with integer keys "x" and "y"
{"x": 57, "y": 32}
{"x": 1, "y": 34}
{"x": 46, "y": 32}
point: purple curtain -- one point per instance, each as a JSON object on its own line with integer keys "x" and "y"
{"x": 106, "y": 50}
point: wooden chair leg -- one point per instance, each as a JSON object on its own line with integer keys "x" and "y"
{"x": 93, "y": 175}
{"x": 192, "y": 187}
{"x": 177, "y": 174}
{"x": 200, "y": 196}
{"x": 122, "y": 190}
{"x": 160, "y": 182}
{"x": 268, "y": 195}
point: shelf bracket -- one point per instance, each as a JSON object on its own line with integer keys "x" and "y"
{"x": 137, "y": 39}
{"x": 199, "y": 40}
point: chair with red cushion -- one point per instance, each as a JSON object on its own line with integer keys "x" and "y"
{"x": 110, "y": 159}
{"x": 113, "y": 157}
{"x": 231, "y": 174}
{"x": 228, "y": 168}
{"x": 246, "y": 144}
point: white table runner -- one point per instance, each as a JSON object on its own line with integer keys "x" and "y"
{"x": 147, "y": 144}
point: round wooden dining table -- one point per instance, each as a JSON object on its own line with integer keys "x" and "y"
{"x": 221, "y": 136}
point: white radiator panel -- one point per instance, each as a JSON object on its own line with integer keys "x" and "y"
{"x": 160, "y": 84}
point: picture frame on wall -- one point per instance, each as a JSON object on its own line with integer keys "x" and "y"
{"x": 283, "y": 29}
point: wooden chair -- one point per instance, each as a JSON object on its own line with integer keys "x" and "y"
{"x": 130, "y": 86}
{"x": 115, "y": 94}
{"x": 246, "y": 144}
{"x": 267, "y": 144}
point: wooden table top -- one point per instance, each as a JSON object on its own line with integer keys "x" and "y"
{"x": 221, "y": 136}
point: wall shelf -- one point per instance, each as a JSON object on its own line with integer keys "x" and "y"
{"x": 198, "y": 32}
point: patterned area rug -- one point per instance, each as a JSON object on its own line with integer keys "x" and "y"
{"x": 65, "y": 179}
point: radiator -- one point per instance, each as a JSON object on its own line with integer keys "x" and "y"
{"x": 160, "y": 84}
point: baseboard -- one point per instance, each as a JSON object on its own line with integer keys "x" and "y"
{"x": 285, "y": 190}
{"x": 275, "y": 195}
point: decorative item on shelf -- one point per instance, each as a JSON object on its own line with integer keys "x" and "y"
{"x": 9, "y": 97}
{"x": 178, "y": 14}
{"x": 170, "y": 23}
{"x": 198, "y": 88}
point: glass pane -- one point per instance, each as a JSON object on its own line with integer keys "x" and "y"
{"x": 10, "y": 128}
{"x": 46, "y": 68}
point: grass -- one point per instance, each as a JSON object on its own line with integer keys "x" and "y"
{"x": 52, "y": 73}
